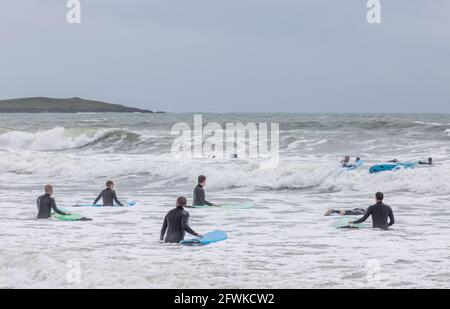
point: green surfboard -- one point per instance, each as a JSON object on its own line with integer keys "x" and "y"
{"x": 343, "y": 223}
{"x": 71, "y": 217}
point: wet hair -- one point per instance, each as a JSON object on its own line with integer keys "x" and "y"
{"x": 48, "y": 188}
{"x": 181, "y": 201}
{"x": 109, "y": 183}
{"x": 201, "y": 178}
{"x": 379, "y": 196}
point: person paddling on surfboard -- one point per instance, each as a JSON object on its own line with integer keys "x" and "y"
{"x": 380, "y": 214}
{"x": 108, "y": 195}
{"x": 346, "y": 162}
{"x": 199, "y": 193}
{"x": 343, "y": 212}
{"x": 45, "y": 204}
{"x": 429, "y": 162}
{"x": 176, "y": 223}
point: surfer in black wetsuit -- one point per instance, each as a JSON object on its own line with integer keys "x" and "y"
{"x": 380, "y": 214}
{"x": 45, "y": 204}
{"x": 343, "y": 212}
{"x": 346, "y": 162}
{"x": 429, "y": 162}
{"x": 199, "y": 193}
{"x": 176, "y": 223}
{"x": 108, "y": 195}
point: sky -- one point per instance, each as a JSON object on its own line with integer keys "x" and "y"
{"x": 231, "y": 55}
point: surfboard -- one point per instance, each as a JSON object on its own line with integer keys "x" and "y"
{"x": 391, "y": 167}
{"x": 71, "y": 217}
{"x": 129, "y": 203}
{"x": 226, "y": 206}
{"x": 343, "y": 223}
{"x": 355, "y": 165}
{"x": 208, "y": 238}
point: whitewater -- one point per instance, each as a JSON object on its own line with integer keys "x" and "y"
{"x": 284, "y": 242}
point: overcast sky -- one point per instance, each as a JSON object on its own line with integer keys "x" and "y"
{"x": 231, "y": 55}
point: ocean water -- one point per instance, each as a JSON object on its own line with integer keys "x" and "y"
{"x": 284, "y": 242}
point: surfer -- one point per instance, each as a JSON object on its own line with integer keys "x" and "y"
{"x": 429, "y": 162}
{"x": 346, "y": 162}
{"x": 176, "y": 223}
{"x": 45, "y": 204}
{"x": 199, "y": 193}
{"x": 343, "y": 212}
{"x": 108, "y": 195}
{"x": 380, "y": 214}
{"x": 393, "y": 161}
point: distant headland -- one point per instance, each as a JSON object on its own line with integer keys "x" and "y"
{"x": 70, "y": 105}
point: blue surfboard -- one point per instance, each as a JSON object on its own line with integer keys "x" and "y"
{"x": 391, "y": 167}
{"x": 355, "y": 165}
{"x": 129, "y": 203}
{"x": 208, "y": 238}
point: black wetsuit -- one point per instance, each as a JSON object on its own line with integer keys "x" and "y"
{"x": 380, "y": 214}
{"x": 353, "y": 212}
{"x": 45, "y": 204}
{"x": 199, "y": 197}
{"x": 109, "y": 197}
{"x": 176, "y": 225}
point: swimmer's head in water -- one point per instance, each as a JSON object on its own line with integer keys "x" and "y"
{"x": 181, "y": 201}
{"x": 49, "y": 189}
{"x": 201, "y": 179}
{"x": 110, "y": 184}
{"x": 379, "y": 196}
{"x": 430, "y": 160}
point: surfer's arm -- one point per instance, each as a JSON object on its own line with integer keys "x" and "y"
{"x": 163, "y": 229}
{"x": 116, "y": 199}
{"x": 365, "y": 217}
{"x": 55, "y": 209}
{"x": 204, "y": 201}
{"x": 391, "y": 218}
{"x": 185, "y": 226}
{"x": 98, "y": 198}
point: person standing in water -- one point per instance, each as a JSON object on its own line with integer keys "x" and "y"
{"x": 199, "y": 193}
{"x": 45, "y": 204}
{"x": 176, "y": 223}
{"x": 108, "y": 195}
{"x": 380, "y": 214}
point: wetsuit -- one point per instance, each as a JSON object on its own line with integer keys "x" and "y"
{"x": 199, "y": 197}
{"x": 380, "y": 214}
{"x": 425, "y": 163}
{"x": 109, "y": 197}
{"x": 353, "y": 212}
{"x": 176, "y": 225}
{"x": 45, "y": 204}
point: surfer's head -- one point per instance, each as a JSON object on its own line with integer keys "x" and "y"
{"x": 49, "y": 189}
{"x": 202, "y": 180}
{"x": 379, "y": 196}
{"x": 181, "y": 201}
{"x": 430, "y": 160}
{"x": 347, "y": 158}
{"x": 110, "y": 184}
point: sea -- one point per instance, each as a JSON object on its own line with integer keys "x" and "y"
{"x": 285, "y": 241}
